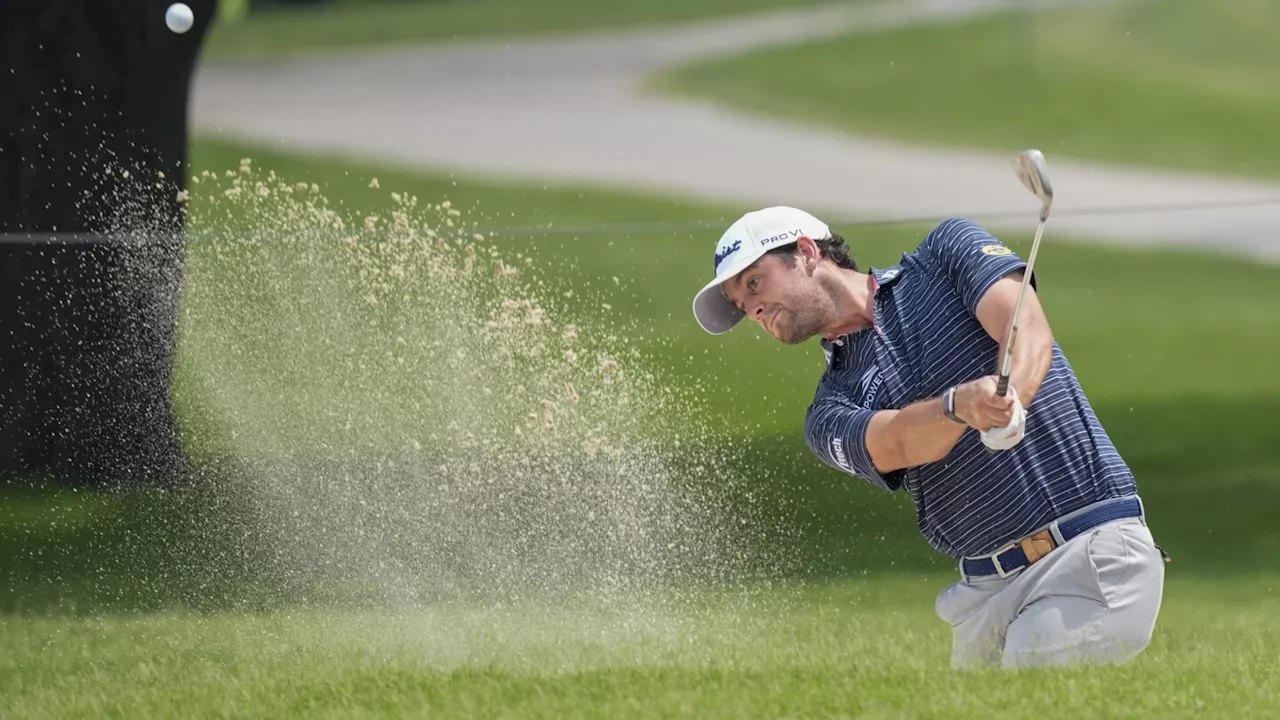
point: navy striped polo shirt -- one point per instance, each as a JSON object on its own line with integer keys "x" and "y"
{"x": 927, "y": 338}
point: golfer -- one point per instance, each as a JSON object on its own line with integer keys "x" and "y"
{"x": 1026, "y": 491}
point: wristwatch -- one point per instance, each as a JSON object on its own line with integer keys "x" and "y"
{"x": 949, "y": 405}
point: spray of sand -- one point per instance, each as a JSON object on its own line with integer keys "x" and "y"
{"x": 413, "y": 413}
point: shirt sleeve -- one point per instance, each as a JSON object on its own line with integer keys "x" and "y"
{"x": 972, "y": 259}
{"x": 836, "y": 431}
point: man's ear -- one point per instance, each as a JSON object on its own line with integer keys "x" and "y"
{"x": 809, "y": 252}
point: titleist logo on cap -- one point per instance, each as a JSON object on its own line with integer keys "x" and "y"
{"x": 731, "y": 249}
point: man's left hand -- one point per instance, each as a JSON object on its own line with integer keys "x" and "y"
{"x": 1004, "y": 438}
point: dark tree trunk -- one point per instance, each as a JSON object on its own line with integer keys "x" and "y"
{"x": 93, "y": 145}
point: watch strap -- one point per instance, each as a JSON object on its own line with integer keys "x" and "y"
{"x": 949, "y": 405}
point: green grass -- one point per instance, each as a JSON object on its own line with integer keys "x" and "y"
{"x": 852, "y": 649}
{"x": 173, "y": 602}
{"x": 1122, "y": 316}
{"x": 1168, "y": 83}
{"x": 342, "y": 26}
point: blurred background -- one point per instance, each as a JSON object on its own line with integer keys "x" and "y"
{"x": 190, "y": 360}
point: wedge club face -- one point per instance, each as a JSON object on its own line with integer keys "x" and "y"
{"x": 1032, "y": 170}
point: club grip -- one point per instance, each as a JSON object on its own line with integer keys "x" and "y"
{"x": 1002, "y": 389}
{"x": 1002, "y": 385}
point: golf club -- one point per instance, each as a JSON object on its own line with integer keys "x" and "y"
{"x": 1030, "y": 168}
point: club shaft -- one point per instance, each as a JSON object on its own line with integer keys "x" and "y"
{"x": 1006, "y": 365}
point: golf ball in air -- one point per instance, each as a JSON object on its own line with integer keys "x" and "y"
{"x": 179, "y": 17}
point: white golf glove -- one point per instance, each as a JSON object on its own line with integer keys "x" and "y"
{"x": 1003, "y": 438}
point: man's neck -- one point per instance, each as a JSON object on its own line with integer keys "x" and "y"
{"x": 855, "y": 296}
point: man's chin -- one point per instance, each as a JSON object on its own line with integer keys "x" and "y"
{"x": 789, "y": 335}
{"x": 794, "y": 338}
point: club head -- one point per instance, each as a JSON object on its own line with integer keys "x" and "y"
{"x": 1031, "y": 169}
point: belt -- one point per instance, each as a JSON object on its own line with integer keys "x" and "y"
{"x": 1025, "y": 552}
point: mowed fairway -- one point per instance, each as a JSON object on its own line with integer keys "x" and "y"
{"x": 853, "y": 649}
{"x": 1123, "y": 317}
{"x": 137, "y": 605}
{"x": 1169, "y": 83}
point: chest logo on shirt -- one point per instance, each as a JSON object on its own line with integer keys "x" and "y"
{"x": 996, "y": 249}
{"x": 870, "y": 384}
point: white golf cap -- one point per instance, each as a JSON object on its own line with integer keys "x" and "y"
{"x": 753, "y": 235}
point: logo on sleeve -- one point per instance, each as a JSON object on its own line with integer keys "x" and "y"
{"x": 837, "y": 449}
{"x": 996, "y": 249}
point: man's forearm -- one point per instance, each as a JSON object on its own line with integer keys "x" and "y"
{"x": 1033, "y": 352}
{"x": 914, "y": 435}
{"x": 1032, "y": 357}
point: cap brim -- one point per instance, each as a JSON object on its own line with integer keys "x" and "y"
{"x": 715, "y": 312}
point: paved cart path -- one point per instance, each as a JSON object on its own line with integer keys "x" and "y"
{"x": 572, "y": 109}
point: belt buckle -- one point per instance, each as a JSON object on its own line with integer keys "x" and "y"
{"x": 995, "y": 561}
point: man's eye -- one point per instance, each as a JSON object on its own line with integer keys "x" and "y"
{"x": 753, "y": 284}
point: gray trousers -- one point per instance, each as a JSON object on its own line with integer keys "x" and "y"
{"x": 1094, "y": 599}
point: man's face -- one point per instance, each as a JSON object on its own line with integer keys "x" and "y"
{"x": 787, "y": 301}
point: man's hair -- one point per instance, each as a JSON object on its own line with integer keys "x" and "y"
{"x": 832, "y": 248}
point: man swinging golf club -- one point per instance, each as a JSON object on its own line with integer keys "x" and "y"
{"x": 1010, "y": 471}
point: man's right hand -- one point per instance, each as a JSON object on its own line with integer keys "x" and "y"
{"x": 980, "y": 407}
{"x": 917, "y": 434}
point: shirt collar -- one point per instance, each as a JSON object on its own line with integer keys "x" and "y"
{"x": 887, "y": 276}
{"x": 884, "y": 277}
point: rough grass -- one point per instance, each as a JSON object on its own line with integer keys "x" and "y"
{"x": 868, "y": 648}
{"x": 143, "y": 604}
{"x": 1178, "y": 84}
{"x": 1124, "y": 318}
{"x": 343, "y": 26}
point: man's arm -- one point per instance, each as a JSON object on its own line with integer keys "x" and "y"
{"x": 988, "y": 276}
{"x": 1033, "y": 353}
{"x": 873, "y": 444}
{"x": 915, "y": 435}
